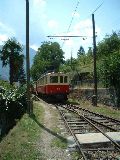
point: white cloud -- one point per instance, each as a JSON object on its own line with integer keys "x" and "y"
{"x": 82, "y": 25}
{"x": 82, "y": 28}
{"x": 69, "y": 43}
{"x": 34, "y": 46}
{"x": 85, "y": 28}
{"x": 5, "y": 32}
{"x": 52, "y": 24}
{"x": 3, "y": 38}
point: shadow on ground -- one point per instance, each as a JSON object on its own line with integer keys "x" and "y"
{"x": 47, "y": 129}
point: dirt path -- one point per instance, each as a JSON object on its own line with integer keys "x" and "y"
{"x": 50, "y": 139}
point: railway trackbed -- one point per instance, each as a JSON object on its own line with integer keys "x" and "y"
{"x": 96, "y": 137}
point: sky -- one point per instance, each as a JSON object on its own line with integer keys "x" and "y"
{"x": 59, "y": 18}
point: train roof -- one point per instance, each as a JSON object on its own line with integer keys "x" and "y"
{"x": 52, "y": 73}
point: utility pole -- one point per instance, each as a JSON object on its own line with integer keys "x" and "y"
{"x": 94, "y": 98}
{"x": 28, "y": 59}
{"x": 71, "y": 59}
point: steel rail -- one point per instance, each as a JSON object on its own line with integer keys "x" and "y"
{"x": 102, "y": 124}
{"x": 74, "y": 136}
{"x": 114, "y": 142}
{"x": 83, "y": 117}
{"x": 100, "y": 115}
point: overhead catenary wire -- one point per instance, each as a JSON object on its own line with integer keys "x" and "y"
{"x": 76, "y": 10}
{"x": 97, "y": 8}
{"x": 72, "y": 19}
{"x": 73, "y": 16}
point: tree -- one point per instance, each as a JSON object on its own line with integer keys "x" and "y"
{"x": 108, "y": 45}
{"x": 81, "y": 52}
{"x": 69, "y": 65}
{"x": 10, "y": 54}
{"x": 90, "y": 52}
{"x": 49, "y": 57}
{"x": 22, "y": 76}
{"x": 110, "y": 73}
{"x": 21, "y": 73}
{"x": 109, "y": 63}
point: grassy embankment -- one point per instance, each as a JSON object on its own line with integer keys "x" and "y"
{"x": 102, "y": 109}
{"x": 20, "y": 143}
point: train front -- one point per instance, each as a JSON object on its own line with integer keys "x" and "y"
{"x": 57, "y": 85}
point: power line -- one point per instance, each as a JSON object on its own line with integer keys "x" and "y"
{"x": 89, "y": 15}
{"x": 72, "y": 19}
{"x": 97, "y": 8}
{"x": 68, "y": 36}
{"x": 73, "y": 16}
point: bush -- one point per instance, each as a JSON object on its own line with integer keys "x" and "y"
{"x": 13, "y": 104}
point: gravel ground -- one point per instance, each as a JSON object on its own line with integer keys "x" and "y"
{"x": 51, "y": 121}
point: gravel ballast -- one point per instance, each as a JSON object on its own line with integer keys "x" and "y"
{"x": 50, "y": 125}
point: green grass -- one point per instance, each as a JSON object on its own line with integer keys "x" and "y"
{"x": 108, "y": 111}
{"x": 60, "y": 143}
{"x": 20, "y": 143}
{"x": 57, "y": 142}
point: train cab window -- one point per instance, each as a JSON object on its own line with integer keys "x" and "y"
{"x": 61, "y": 79}
{"x": 53, "y": 79}
{"x": 65, "y": 79}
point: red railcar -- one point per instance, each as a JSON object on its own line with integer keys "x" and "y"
{"x": 53, "y": 85}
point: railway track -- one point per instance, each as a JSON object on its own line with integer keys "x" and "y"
{"x": 97, "y": 137}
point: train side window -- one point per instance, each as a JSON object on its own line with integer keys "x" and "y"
{"x": 53, "y": 79}
{"x": 61, "y": 79}
{"x": 65, "y": 79}
{"x": 44, "y": 80}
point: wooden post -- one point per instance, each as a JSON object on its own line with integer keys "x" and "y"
{"x": 28, "y": 59}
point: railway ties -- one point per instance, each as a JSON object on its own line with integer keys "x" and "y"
{"x": 105, "y": 121}
{"x": 94, "y": 138}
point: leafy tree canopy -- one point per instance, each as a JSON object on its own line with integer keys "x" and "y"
{"x": 108, "y": 52}
{"x": 69, "y": 65}
{"x": 49, "y": 57}
{"x": 90, "y": 52}
{"x": 108, "y": 45}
